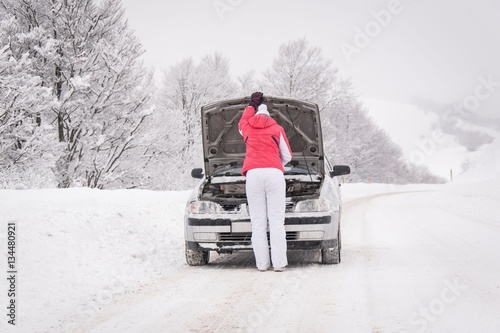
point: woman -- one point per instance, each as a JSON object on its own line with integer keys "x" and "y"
{"x": 267, "y": 151}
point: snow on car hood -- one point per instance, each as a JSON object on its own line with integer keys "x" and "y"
{"x": 223, "y": 146}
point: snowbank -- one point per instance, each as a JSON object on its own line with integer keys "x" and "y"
{"x": 476, "y": 193}
{"x": 354, "y": 191}
{"x": 487, "y": 166}
{"x": 80, "y": 249}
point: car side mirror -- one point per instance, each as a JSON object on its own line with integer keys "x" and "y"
{"x": 340, "y": 170}
{"x": 197, "y": 173}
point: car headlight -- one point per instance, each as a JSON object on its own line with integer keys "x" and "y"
{"x": 203, "y": 207}
{"x": 316, "y": 205}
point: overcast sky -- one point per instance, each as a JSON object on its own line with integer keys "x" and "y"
{"x": 390, "y": 49}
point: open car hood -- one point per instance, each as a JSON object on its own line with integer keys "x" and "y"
{"x": 224, "y": 149}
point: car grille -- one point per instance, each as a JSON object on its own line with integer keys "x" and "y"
{"x": 231, "y": 208}
{"x": 247, "y": 236}
{"x": 237, "y": 208}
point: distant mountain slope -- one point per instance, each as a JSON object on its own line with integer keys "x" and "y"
{"x": 426, "y": 139}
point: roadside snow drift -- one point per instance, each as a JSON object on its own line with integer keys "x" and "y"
{"x": 79, "y": 249}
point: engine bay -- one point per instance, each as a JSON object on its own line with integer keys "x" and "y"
{"x": 235, "y": 192}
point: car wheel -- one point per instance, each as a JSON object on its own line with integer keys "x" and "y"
{"x": 331, "y": 256}
{"x": 197, "y": 258}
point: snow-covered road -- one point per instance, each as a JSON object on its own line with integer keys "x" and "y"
{"x": 410, "y": 263}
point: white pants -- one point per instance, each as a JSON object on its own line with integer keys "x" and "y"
{"x": 266, "y": 190}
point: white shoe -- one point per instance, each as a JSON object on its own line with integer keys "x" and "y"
{"x": 279, "y": 269}
{"x": 263, "y": 269}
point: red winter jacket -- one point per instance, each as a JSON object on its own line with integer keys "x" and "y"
{"x": 266, "y": 142}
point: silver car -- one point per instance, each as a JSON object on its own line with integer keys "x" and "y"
{"x": 217, "y": 218}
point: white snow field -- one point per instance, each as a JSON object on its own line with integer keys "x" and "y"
{"x": 415, "y": 258}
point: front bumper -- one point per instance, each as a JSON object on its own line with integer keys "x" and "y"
{"x": 228, "y": 234}
{"x": 325, "y": 219}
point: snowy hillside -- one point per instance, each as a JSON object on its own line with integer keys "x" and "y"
{"x": 422, "y": 138}
{"x": 112, "y": 261}
{"x": 487, "y": 166}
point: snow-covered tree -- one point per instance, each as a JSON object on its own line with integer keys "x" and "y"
{"x": 351, "y": 137}
{"x": 26, "y": 146}
{"x": 247, "y": 84}
{"x": 89, "y": 58}
{"x": 186, "y": 87}
{"x": 300, "y": 71}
